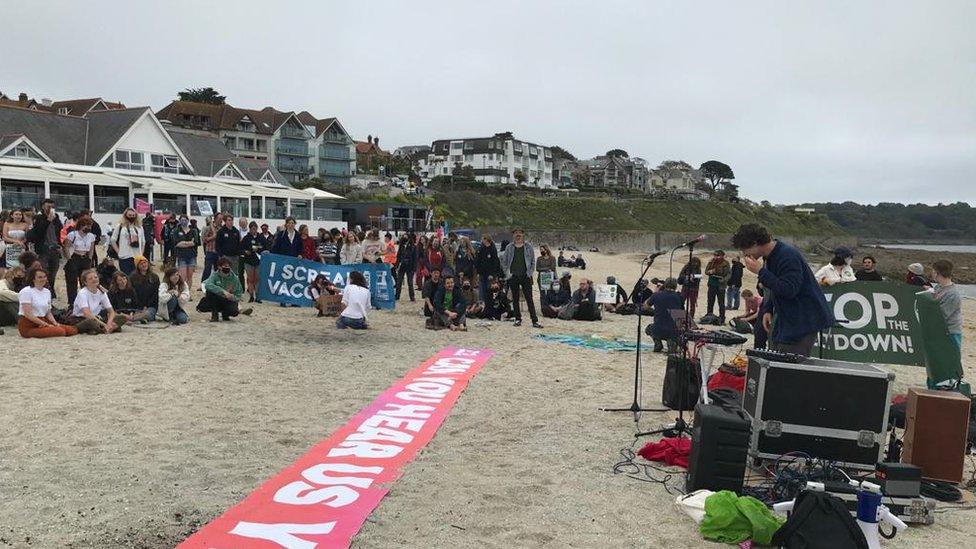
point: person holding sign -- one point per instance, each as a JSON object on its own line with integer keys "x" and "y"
{"x": 545, "y": 266}
{"x": 620, "y": 296}
{"x": 355, "y": 303}
{"x": 798, "y": 310}
{"x": 949, "y": 298}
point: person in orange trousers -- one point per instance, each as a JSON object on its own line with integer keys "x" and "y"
{"x": 34, "y": 316}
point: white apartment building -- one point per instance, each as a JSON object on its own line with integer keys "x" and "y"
{"x": 497, "y": 159}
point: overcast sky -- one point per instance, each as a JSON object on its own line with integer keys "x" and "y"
{"x": 838, "y": 100}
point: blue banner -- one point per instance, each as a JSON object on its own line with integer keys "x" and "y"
{"x": 285, "y": 279}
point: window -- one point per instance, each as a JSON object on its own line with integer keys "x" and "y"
{"x": 237, "y": 207}
{"x": 518, "y": 147}
{"x": 457, "y": 145}
{"x": 21, "y": 194}
{"x": 62, "y": 110}
{"x": 111, "y": 200}
{"x": 444, "y": 171}
{"x": 257, "y": 209}
{"x": 468, "y": 146}
{"x": 276, "y": 208}
{"x": 469, "y": 158}
{"x": 548, "y": 153}
{"x": 164, "y": 163}
{"x": 300, "y": 210}
{"x": 247, "y": 144}
{"x": 23, "y": 150}
{"x": 129, "y": 160}
{"x": 229, "y": 172}
{"x": 70, "y": 198}
{"x": 172, "y": 203}
{"x": 457, "y": 158}
{"x": 262, "y": 145}
{"x": 267, "y": 178}
{"x": 195, "y": 209}
{"x": 245, "y": 125}
{"x": 230, "y": 142}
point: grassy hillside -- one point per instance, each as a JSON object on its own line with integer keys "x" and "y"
{"x": 921, "y": 222}
{"x": 470, "y": 209}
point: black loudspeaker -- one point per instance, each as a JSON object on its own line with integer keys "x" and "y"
{"x": 682, "y": 383}
{"x": 719, "y": 448}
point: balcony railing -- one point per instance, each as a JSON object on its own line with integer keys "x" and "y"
{"x": 291, "y": 150}
{"x": 293, "y": 133}
{"x": 292, "y": 168}
{"x": 326, "y": 154}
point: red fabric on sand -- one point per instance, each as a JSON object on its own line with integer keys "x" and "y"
{"x": 672, "y": 451}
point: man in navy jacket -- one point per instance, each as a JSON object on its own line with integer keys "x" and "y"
{"x": 798, "y": 308}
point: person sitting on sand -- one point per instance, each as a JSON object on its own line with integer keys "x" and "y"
{"x": 431, "y": 286}
{"x": 106, "y": 271}
{"x": 355, "y": 303}
{"x": 584, "y": 302}
{"x": 13, "y": 281}
{"x": 124, "y": 299}
{"x": 560, "y": 297}
{"x": 146, "y": 285}
{"x": 34, "y": 316}
{"x": 497, "y": 305}
{"x": 449, "y": 308}
{"x": 174, "y": 294}
{"x": 92, "y": 312}
{"x": 621, "y": 296}
{"x": 320, "y": 290}
{"x": 580, "y": 263}
{"x": 223, "y": 294}
{"x": 835, "y": 272}
{"x": 470, "y": 296}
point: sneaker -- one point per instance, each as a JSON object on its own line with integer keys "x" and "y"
{"x": 536, "y": 324}
{"x": 247, "y": 312}
{"x": 214, "y": 317}
{"x": 256, "y": 300}
{"x": 518, "y": 322}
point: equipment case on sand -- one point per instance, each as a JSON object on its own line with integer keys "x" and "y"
{"x": 828, "y": 409}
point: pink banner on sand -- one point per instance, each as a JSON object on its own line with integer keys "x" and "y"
{"x": 323, "y": 499}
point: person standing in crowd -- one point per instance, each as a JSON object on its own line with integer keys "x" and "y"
{"x": 15, "y": 236}
{"x": 149, "y": 229}
{"x": 3, "y": 244}
{"x": 423, "y": 243}
{"x": 79, "y": 247}
{"x": 497, "y": 306}
{"x": 449, "y": 248}
{"x": 584, "y": 299}
{"x": 92, "y": 311}
{"x": 46, "y": 232}
{"x": 835, "y": 272}
{"x": 13, "y": 281}
{"x": 449, "y": 308}
{"x": 266, "y": 233}
{"x": 665, "y": 300}
{"x": 174, "y": 294}
{"x": 949, "y": 298}
{"x": 518, "y": 261}
{"x": 167, "y": 233}
{"x": 718, "y": 270}
{"x": 916, "y": 276}
{"x": 352, "y": 250}
{"x": 145, "y": 283}
{"x": 372, "y": 247}
{"x": 328, "y": 249}
{"x": 545, "y": 263}
{"x": 734, "y": 285}
{"x": 34, "y": 316}
{"x": 229, "y": 242}
{"x": 128, "y": 240}
{"x": 252, "y": 245}
{"x": 186, "y": 242}
{"x": 868, "y": 270}
{"x": 621, "y": 298}
{"x": 223, "y": 293}
{"x": 389, "y": 251}
{"x": 309, "y": 250}
{"x": 125, "y": 301}
{"x": 242, "y": 226}
{"x": 487, "y": 264}
{"x": 435, "y": 258}
{"x": 406, "y": 262}
{"x": 797, "y": 308}
{"x": 210, "y": 255}
{"x": 690, "y": 280}
{"x": 431, "y": 285}
{"x": 464, "y": 261}
{"x": 355, "y": 303}
{"x": 289, "y": 241}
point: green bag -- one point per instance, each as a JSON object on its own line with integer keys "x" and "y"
{"x": 733, "y": 519}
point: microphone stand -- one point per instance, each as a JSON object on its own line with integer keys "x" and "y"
{"x": 635, "y": 406}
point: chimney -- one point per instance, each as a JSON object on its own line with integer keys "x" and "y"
{"x": 46, "y": 102}
{"x": 22, "y": 97}
{"x": 376, "y": 141}
{"x": 369, "y": 138}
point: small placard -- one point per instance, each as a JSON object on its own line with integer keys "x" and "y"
{"x": 606, "y": 293}
{"x": 204, "y": 207}
{"x": 546, "y": 278}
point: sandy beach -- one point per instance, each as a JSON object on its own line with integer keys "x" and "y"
{"x": 135, "y": 440}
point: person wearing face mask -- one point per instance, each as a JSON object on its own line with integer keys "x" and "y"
{"x": 223, "y": 293}
{"x": 128, "y": 240}
{"x": 289, "y": 241}
{"x": 229, "y": 242}
{"x": 79, "y": 247}
{"x": 253, "y": 245}
{"x": 470, "y": 297}
{"x": 186, "y": 242}
{"x": 497, "y": 306}
{"x": 13, "y": 281}
{"x": 167, "y": 233}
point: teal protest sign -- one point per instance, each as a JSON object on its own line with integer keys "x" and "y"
{"x": 285, "y": 279}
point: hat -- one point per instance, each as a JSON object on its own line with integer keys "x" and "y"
{"x": 844, "y": 252}
{"x": 916, "y": 269}
{"x": 611, "y": 280}
{"x": 565, "y": 274}
{"x": 139, "y": 259}
{"x": 720, "y": 252}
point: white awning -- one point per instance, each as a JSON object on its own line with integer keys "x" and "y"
{"x": 43, "y": 172}
{"x": 319, "y": 193}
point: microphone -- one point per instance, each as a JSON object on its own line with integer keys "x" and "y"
{"x": 696, "y": 240}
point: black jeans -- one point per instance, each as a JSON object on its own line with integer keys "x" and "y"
{"x": 716, "y": 294}
{"x": 801, "y": 347}
{"x": 218, "y": 304}
{"x": 76, "y": 265}
{"x": 522, "y": 283}
{"x": 51, "y": 262}
{"x": 400, "y": 274}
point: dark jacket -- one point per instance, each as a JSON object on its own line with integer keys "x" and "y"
{"x": 283, "y": 246}
{"x": 590, "y": 296}
{"x": 407, "y": 257}
{"x": 459, "y": 306}
{"x": 464, "y": 264}
{"x": 640, "y": 295}
{"x": 251, "y": 248}
{"x": 873, "y": 276}
{"x": 720, "y": 270}
{"x": 663, "y": 302}
{"x": 560, "y": 297}
{"x": 497, "y": 305}
{"x": 228, "y": 242}
{"x": 735, "y": 276}
{"x": 149, "y": 227}
{"x": 687, "y": 279}
{"x": 487, "y": 262}
{"x": 798, "y": 304}
{"x": 188, "y": 235}
{"x": 146, "y": 288}
{"x": 621, "y": 295}
{"x": 38, "y": 234}
{"x": 125, "y": 301}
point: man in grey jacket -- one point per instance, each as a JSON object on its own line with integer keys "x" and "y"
{"x": 518, "y": 262}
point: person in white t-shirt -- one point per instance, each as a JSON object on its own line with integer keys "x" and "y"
{"x": 79, "y": 248}
{"x": 92, "y": 311}
{"x": 34, "y": 317}
{"x": 128, "y": 240}
{"x": 355, "y": 303}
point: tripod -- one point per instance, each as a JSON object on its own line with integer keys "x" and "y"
{"x": 635, "y": 406}
{"x": 680, "y": 426}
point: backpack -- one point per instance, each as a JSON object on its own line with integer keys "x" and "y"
{"x": 820, "y": 521}
{"x": 709, "y": 319}
{"x": 740, "y": 326}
